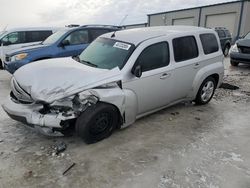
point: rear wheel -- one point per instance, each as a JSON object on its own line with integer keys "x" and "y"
{"x": 1, "y": 64}
{"x": 206, "y": 91}
{"x": 235, "y": 64}
{"x": 97, "y": 122}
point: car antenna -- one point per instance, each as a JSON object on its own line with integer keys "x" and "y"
{"x": 124, "y": 18}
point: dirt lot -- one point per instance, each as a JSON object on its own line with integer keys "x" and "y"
{"x": 182, "y": 146}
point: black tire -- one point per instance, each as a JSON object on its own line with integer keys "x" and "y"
{"x": 97, "y": 122}
{"x": 199, "y": 97}
{"x": 1, "y": 65}
{"x": 233, "y": 63}
{"x": 226, "y": 50}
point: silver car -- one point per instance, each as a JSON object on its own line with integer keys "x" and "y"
{"x": 120, "y": 77}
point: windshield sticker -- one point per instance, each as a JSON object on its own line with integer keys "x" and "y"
{"x": 121, "y": 45}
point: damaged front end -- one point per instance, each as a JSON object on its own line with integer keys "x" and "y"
{"x": 52, "y": 118}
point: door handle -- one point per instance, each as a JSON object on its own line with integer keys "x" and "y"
{"x": 164, "y": 76}
{"x": 196, "y": 65}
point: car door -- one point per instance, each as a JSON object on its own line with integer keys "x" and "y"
{"x": 35, "y": 37}
{"x": 76, "y": 42}
{"x": 154, "y": 88}
{"x": 13, "y": 41}
{"x": 187, "y": 64}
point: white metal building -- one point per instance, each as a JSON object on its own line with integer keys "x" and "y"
{"x": 235, "y": 16}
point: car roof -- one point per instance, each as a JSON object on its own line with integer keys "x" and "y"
{"x": 138, "y": 35}
{"x": 32, "y": 29}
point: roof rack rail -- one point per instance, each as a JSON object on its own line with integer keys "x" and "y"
{"x": 99, "y": 25}
{"x": 72, "y": 25}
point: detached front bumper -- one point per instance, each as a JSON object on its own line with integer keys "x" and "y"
{"x": 29, "y": 114}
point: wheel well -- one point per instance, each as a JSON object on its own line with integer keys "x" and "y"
{"x": 216, "y": 77}
{"x": 120, "y": 116}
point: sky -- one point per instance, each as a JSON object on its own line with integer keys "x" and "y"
{"x": 28, "y": 13}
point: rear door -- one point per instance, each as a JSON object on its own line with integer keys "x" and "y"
{"x": 34, "y": 37}
{"x": 187, "y": 64}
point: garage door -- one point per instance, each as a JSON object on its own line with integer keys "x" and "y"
{"x": 183, "y": 21}
{"x": 222, "y": 20}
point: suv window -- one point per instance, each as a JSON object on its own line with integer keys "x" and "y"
{"x": 185, "y": 48}
{"x": 221, "y": 33}
{"x": 36, "y": 36}
{"x": 209, "y": 43}
{"x": 78, "y": 37}
{"x": 97, "y": 32}
{"x": 154, "y": 56}
{"x": 228, "y": 33}
{"x": 14, "y": 38}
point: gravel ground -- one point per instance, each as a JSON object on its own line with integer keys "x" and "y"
{"x": 182, "y": 146}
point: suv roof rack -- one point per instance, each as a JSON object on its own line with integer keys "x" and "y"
{"x": 99, "y": 25}
{"x": 72, "y": 25}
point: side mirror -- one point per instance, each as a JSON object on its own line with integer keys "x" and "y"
{"x": 65, "y": 43}
{"x": 137, "y": 71}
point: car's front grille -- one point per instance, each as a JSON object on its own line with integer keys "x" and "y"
{"x": 19, "y": 94}
{"x": 244, "y": 50}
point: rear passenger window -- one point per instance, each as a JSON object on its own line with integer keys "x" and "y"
{"x": 36, "y": 36}
{"x": 185, "y": 48}
{"x": 209, "y": 43}
{"x": 154, "y": 56}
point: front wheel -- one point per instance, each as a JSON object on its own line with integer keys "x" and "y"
{"x": 97, "y": 122}
{"x": 206, "y": 91}
{"x": 235, "y": 64}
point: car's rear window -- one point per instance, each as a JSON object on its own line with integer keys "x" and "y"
{"x": 209, "y": 43}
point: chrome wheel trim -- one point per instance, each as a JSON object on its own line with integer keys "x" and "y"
{"x": 207, "y": 91}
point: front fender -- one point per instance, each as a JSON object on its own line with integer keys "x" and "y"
{"x": 124, "y": 100}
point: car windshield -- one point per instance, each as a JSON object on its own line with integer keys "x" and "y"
{"x": 106, "y": 53}
{"x": 247, "y": 36}
{"x": 54, "y": 37}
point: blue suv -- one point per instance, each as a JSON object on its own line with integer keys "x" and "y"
{"x": 63, "y": 43}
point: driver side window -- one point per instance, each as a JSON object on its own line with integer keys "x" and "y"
{"x": 78, "y": 37}
{"x": 14, "y": 38}
{"x": 154, "y": 57}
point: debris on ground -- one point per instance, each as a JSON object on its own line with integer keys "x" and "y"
{"x": 175, "y": 113}
{"x": 197, "y": 118}
{"x": 17, "y": 149}
{"x": 229, "y": 86}
{"x": 1, "y": 140}
{"x": 59, "y": 147}
{"x": 28, "y": 174}
{"x": 69, "y": 168}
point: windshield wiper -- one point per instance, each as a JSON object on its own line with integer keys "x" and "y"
{"x": 88, "y": 63}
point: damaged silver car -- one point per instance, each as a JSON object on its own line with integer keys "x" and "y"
{"x": 119, "y": 78}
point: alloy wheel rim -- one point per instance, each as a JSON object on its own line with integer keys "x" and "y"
{"x": 207, "y": 91}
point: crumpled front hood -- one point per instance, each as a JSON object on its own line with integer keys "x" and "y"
{"x": 244, "y": 42}
{"x": 54, "y": 79}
